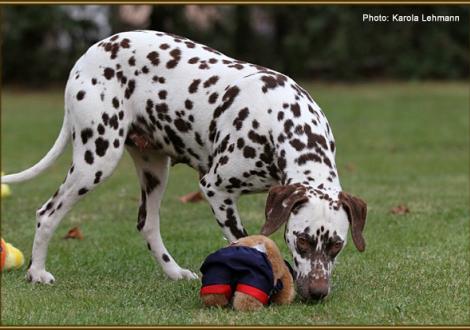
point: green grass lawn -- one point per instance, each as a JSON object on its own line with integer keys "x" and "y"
{"x": 396, "y": 143}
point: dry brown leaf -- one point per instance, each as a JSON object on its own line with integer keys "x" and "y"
{"x": 350, "y": 167}
{"x": 193, "y": 197}
{"x": 74, "y": 233}
{"x": 400, "y": 209}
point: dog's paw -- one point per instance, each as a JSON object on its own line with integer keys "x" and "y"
{"x": 180, "y": 274}
{"x": 188, "y": 275}
{"x": 39, "y": 276}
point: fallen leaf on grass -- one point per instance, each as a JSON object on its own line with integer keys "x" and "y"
{"x": 400, "y": 209}
{"x": 350, "y": 167}
{"x": 74, "y": 233}
{"x": 193, "y": 197}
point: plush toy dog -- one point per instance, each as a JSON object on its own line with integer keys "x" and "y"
{"x": 251, "y": 271}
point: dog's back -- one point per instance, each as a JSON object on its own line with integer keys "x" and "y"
{"x": 180, "y": 95}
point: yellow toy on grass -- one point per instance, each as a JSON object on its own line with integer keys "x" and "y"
{"x": 11, "y": 257}
{"x": 5, "y": 189}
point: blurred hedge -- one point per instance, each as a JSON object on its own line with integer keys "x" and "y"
{"x": 309, "y": 42}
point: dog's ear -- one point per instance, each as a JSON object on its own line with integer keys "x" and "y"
{"x": 356, "y": 209}
{"x": 281, "y": 201}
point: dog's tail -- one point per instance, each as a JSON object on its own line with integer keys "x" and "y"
{"x": 46, "y": 161}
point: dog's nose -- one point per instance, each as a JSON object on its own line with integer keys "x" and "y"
{"x": 319, "y": 289}
{"x": 318, "y": 293}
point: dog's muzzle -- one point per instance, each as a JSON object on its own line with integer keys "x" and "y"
{"x": 316, "y": 284}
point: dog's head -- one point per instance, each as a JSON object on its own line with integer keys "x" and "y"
{"x": 316, "y": 231}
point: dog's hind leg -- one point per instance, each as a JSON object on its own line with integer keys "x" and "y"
{"x": 97, "y": 148}
{"x": 152, "y": 170}
{"x": 80, "y": 180}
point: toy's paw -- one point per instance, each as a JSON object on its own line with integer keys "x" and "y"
{"x": 181, "y": 273}
{"x": 214, "y": 300}
{"x": 39, "y": 276}
{"x": 245, "y": 303}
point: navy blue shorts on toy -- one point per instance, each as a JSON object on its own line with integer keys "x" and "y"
{"x": 238, "y": 268}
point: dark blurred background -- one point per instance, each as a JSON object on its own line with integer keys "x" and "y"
{"x": 41, "y": 43}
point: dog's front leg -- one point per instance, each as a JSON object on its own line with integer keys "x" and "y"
{"x": 224, "y": 206}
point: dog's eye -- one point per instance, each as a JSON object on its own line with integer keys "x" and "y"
{"x": 303, "y": 244}
{"x": 335, "y": 248}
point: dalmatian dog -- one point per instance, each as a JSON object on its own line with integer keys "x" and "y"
{"x": 243, "y": 127}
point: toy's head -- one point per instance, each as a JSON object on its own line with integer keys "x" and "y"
{"x": 317, "y": 223}
{"x": 266, "y": 245}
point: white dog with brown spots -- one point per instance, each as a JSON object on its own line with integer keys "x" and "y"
{"x": 244, "y": 128}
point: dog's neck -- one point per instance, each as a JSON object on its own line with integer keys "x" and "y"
{"x": 314, "y": 178}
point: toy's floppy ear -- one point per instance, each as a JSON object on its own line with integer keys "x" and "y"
{"x": 356, "y": 209}
{"x": 281, "y": 201}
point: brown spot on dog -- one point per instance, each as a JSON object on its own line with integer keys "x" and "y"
{"x": 151, "y": 182}
{"x": 249, "y": 152}
{"x": 297, "y": 144}
{"x": 101, "y": 146}
{"x": 308, "y": 157}
{"x": 130, "y": 89}
{"x": 80, "y": 95}
{"x": 125, "y": 43}
{"x": 211, "y": 81}
{"x": 242, "y": 115}
{"x": 154, "y": 58}
{"x": 188, "y": 104}
{"x": 89, "y": 157}
{"x": 161, "y": 108}
{"x": 295, "y": 108}
{"x": 190, "y": 44}
{"x": 194, "y": 85}
{"x": 86, "y": 134}
{"x": 272, "y": 81}
{"x": 97, "y": 177}
{"x": 115, "y": 102}
{"x": 82, "y": 191}
{"x": 181, "y": 125}
{"x": 213, "y": 98}
{"x": 113, "y": 122}
{"x": 108, "y": 73}
{"x": 142, "y": 211}
{"x": 176, "y": 55}
{"x": 162, "y": 94}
